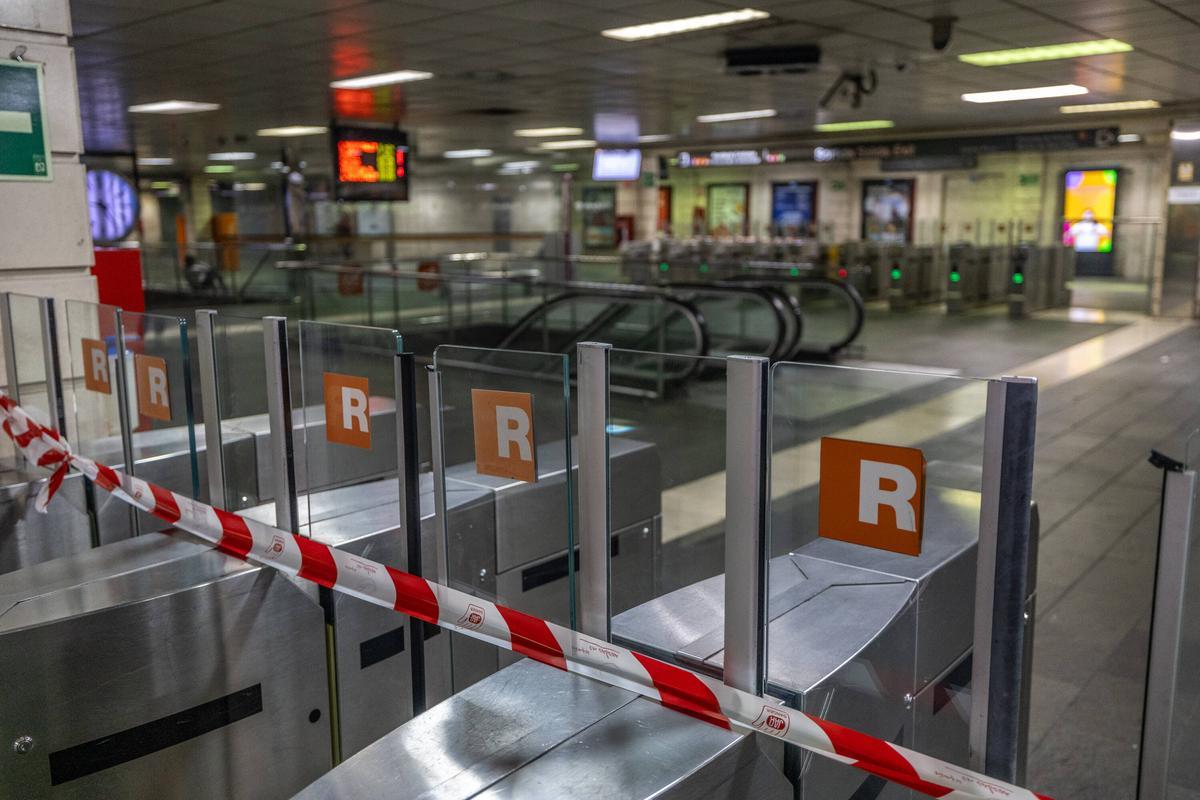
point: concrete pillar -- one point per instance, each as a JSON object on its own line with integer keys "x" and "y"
{"x": 45, "y": 240}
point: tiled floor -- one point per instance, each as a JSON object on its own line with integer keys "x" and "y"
{"x": 1099, "y": 502}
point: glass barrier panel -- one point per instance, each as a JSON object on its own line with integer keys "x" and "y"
{"x": 88, "y": 359}
{"x": 507, "y": 440}
{"x": 666, "y": 443}
{"x": 347, "y": 441}
{"x": 242, "y": 407}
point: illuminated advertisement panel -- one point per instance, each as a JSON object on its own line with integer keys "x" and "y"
{"x": 370, "y": 163}
{"x": 1089, "y": 206}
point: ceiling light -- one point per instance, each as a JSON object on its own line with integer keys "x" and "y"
{"x": 382, "y": 79}
{"x": 165, "y": 185}
{"x": 155, "y": 161}
{"x": 1032, "y": 93}
{"x": 1124, "y": 105}
{"x": 569, "y": 144}
{"x": 646, "y": 138}
{"x": 670, "y": 27}
{"x": 564, "y": 167}
{"x": 733, "y": 116}
{"x": 173, "y": 107}
{"x": 1185, "y": 136}
{"x": 477, "y": 152}
{"x": 519, "y": 166}
{"x": 218, "y": 169}
{"x": 1045, "y": 52}
{"x": 857, "y": 125}
{"x": 536, "y": 132}
{"x": 235, "y": 155}
{"x": 1129, "y": 138}
{"x": 293, "y": 130}
{"x": 254, "y": 186}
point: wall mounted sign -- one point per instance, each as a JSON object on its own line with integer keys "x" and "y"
{"x": 728, "y": 209}
{"x": 24, "y": 139}
{"x": 872, "y": 494}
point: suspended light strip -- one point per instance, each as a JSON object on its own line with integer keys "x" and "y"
{"x": 1046, "y": 52}
{"x": 232, "y": 156}
{"x": 1032, "y": 93}
{"x": 534, "y": 133}
{"x": 569, "y": 144}
{"x": 733, "y": 116}
{"x": 173, "y": 107}
{"x": 382, "y": 79}
{"x": 293, "y": 130}
{"x": 1123, "y": 105}
{"x": 672, "y": 27}
{"x": 475, "y": 152}
{"x": 859, "y": 125}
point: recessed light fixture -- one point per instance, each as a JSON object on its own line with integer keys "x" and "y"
{"x": 218, "y": 169}
{"x": 293, "y": 130}
{"x": 474, "y": 152}
{"x": 733, "y": 116}
{"x": 235, "y": 155}
{"x": 163, "y": 185}
{"x": 1129, "y": 138}
{"x": 518, "y": 167}
{"x": 381, "y": 79}
{"x": 646, "y": 138}
{"x": 569, "y": 144}
{"x": 1185, "y": 136}
{"x": 253, "y": 186}
{"x": 671, "y": 27}
{"x": 1032, "y": 93}
{"x": 1046, "y": 52}
{"x": 855, "y": 125}
{"x": 155, "y": 161}
{"x": 534, "y": 133}
{"x": 173, "y": 107}
{"x": 1123, "y": 105}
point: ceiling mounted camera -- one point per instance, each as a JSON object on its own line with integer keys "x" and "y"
{"x": 940, "y": 29}
{"x": 851, "y": 87}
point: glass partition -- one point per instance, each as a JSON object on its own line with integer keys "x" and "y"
{"x": 242, "y": 408}
{"x": 29, "y": 368}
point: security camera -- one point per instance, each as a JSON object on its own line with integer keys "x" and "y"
{"x": 940, "y": 30}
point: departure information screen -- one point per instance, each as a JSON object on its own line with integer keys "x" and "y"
{"x": 370, "y": 163}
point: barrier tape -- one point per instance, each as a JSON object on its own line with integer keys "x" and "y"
{"x": 697, "y": 695}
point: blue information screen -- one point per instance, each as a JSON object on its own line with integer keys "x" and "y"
{"x": 793, "y": 209}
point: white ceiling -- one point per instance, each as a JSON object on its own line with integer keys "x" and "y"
{"x": 269, "y": 63}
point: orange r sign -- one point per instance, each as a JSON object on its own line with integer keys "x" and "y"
{"x": 347, "y": 410}
{"x": 95, "y": 366}
{"x": 872, "y": 494}
{"x": 504, "y": 443}
{"x": 152, "y": 396}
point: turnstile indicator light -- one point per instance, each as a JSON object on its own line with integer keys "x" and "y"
{"x": 843, "y": 272}
{"x": 955, "y": 277}
{"x": 703, "y": 267}
{"x": 663, "y": 267}
{"x": 794, "y": 271}
{"x": 1018, "y": 278}
{"x": 895, "y": 273}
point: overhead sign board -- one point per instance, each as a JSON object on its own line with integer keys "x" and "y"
{"x": 370, "y": 163}
{"x": 24, "y": 139}
{"x": 872, "y": 494}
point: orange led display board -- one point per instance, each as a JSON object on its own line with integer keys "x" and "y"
{"x": 370, "y": 163}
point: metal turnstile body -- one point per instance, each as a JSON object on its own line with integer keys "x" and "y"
{"x": 966, "y": 278}
{"x": 877, "y": 641}
{"x": 531, "y": 731}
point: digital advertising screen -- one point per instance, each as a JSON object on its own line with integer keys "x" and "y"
{"x": 728, "y": 209}
{"x": 370, "y": 163}
{"x": 887, "y": 209}
{"x": 793, "y": 208}
{"x": 617, "y": 165}
{"x": 1089, "y": 206}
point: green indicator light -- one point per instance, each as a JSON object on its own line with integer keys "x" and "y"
{"x": 795, "y": 272}
{"x": 703, "y": 267}
{"x": 954, "y": 277}
{"x": 1018, "y": 278}
{"x": 663, "y": 267}
{"x": 895, "y": 273}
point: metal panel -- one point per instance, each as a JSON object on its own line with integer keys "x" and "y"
{"x": 279, "y": 414}
{"x": 595, "y": 577}
{"x": 210, "y": 404}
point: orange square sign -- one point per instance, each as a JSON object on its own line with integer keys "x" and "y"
{"x": 153, "y": 397}
{"x": 95, "y": 366}
{"x": 504, "y": 443}
{"x": 347, "y": 410}
{"x": 872, "y": 494}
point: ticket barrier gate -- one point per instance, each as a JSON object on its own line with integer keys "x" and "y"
{"x": 913, "y": 278}
{"x": 1038, "y": 278}
{"x": 967, "y": 278}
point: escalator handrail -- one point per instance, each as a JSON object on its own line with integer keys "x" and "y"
{"x": 781, "y": 308}
{"x": 855, "y": 301}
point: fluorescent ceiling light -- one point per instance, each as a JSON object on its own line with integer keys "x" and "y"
{"x": 856, "y": 125}
{"x": 218, "y": 169}
{"x": 1045, "y": 52}
{"x": 569, "y": 144}
{"x": 1123, "y": 105}
{"x": 173, "y": 107}
{"x": 733, "y": 116}
{"x": 1185, "y": 136}
{"x": 382, "y": 79}
{"x": 155, "y": 161}
{"x": 646, "y": 138}
{"x": 293, "y": 130}
{"x": 235, "y": 155}
{"x": 254, "y": 186}
{"x": 162, "y": 184}
{"x": 518, "y": 166}
{"x": 1129, "y": 138}
{"x": 671, "y": 27}
{"x": 533, "y": 133}
{"x": 564, "y": 167}
{"x": 1032, "y": 93}
{"x": 476, "y": 152}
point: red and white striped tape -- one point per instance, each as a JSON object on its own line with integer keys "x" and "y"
{"x": 696, "y": 695}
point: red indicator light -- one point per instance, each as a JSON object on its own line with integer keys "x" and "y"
{"x": 843, "y": 272}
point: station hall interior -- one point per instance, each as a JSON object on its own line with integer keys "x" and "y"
{"x": 600, "y": 398}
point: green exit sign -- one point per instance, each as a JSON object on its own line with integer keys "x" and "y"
{"x": 1030, "y": 179}
{"x": 24, "y": 140}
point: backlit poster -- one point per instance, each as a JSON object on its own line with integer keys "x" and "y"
{"x": 1089, "y": 206}
{"x": 728, "y": 209}
{"x": 793, "y": 209}
{"x": 887, "y": 210}
{"x": 598, "y": 208}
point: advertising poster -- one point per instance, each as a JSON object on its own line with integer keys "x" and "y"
{"x": 1089, "y": 205}
{"x": 887, "y": 210}
{"x": 598, "y": 207}
{"x": 793, "y": 209}
{"x": 728, "y": 209}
